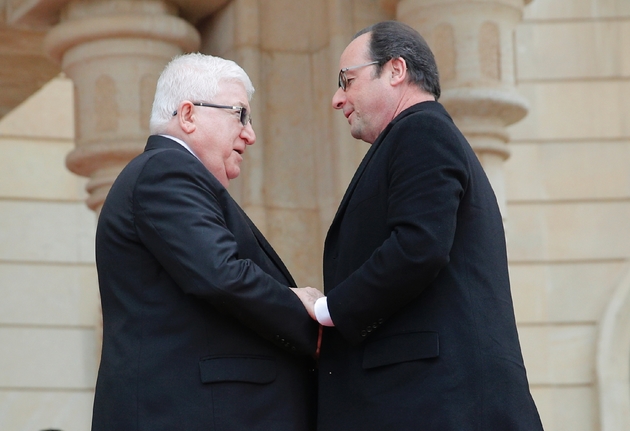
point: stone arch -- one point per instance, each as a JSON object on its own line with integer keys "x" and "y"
{"x": 613, "y": 360}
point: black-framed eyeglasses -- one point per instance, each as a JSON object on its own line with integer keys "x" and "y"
{"x": 244, "y": 116}
{"x": 343, "y": 79}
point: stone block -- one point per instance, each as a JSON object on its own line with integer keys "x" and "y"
{"x": 41, "y": 409}
{"x": 567, "y": 408}
{"x": 568, "y": 231}
{"x": 38, "y": 294}
{"x": 568, "y": 171}
{"x": 246, "y": 22}
{"x": 368, "y": 12}
{"x": 559, "y": 354}
{"x": 574, "y": 110}
{"x": 46, "y": 232}
{"x": 48, "y": 357}
{"x": 293, "y": 25}
{"x": 288, "y": 131}
{"x": 562, "y": 292}
{"x": 218, "y": 33}
{"x": 295, "y": 235}
{"x": 324, "y": 150}
{"x": 541, "y": 52}
{"x": 251, "y": 182}
{"x": 49, "y": 113}
{"x": 575, "y": 9}
{"x": 36, "y": 169}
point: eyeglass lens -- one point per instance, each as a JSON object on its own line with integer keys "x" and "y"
{"x": 245, "y": 117}
{"x": 343, "y": 79}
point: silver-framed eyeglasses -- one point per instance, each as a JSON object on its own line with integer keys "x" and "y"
{"x": 244, "y": 116}
{"x": 343, "y": 79}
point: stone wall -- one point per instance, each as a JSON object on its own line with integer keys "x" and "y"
{"x": 49, "y": 306}
{"x": 566, "y": 188}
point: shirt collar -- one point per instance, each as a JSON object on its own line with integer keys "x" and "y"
{"x": 180, "y": 142}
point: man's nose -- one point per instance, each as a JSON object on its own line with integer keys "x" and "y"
{"x": 248, "y": 134}
{"x": 339, "y": 99}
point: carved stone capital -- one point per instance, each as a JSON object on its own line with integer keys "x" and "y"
{"x": 114, "y": 52}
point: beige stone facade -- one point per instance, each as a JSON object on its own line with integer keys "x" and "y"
{"x": 540, "y": 88}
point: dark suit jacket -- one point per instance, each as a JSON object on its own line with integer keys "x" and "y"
{"x": 415, "y": 272}
{"x": 200, "y": 330}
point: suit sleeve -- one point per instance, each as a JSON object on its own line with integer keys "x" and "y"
{"x": 426, "y": 178}
{"x": 179, "y": 218}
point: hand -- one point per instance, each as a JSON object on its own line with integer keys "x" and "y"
{"x": 308, "y": 296}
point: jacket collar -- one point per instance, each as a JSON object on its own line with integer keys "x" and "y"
{"x": 159, "y": 141}
{"x": 423, "y": 106}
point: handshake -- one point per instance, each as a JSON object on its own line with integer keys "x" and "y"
{"x": 308, "y": 296}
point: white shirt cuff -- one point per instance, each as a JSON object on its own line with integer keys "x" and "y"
{"x": 322, "y": 313}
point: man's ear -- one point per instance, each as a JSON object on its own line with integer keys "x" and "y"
{"x": 398, "y": 71}
{"x": 186, "y": 117}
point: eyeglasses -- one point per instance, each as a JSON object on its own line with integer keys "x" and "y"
{"x": 244, "y": 115}
{"x": 343, "y": 79}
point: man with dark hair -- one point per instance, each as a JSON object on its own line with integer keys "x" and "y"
{"x": 420, "y": 330}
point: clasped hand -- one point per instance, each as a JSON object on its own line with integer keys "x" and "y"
{"x": 308, "y": 296}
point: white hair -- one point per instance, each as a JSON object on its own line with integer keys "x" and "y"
{"x": 195, "y": 77}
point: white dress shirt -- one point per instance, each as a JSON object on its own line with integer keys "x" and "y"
{"x": 321, "y": 312}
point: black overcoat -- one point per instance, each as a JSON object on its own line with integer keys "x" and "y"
{"x": 416, "y": 275}
{"x": 200, "y": 329}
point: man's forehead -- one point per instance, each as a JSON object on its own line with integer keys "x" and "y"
{"x": 232, "y": 89}
{"x": 356, "y": 51}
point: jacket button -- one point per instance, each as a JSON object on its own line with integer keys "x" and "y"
{"x": 363, "y": 333}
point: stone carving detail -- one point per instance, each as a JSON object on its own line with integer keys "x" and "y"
{"x": 125, "y": 44}
{"x": 490, "y": 51}
{"x": 105, "y": 105}
{"x": 443, "y": 46}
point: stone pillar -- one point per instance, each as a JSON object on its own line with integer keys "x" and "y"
{"x": 472, "y": 43}
{"x": 114, "y": 51}
{"x": 279, "y": 186}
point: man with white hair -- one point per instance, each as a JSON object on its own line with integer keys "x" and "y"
{"x": 201, "y": 330}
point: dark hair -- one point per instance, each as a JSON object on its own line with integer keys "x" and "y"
{"x": 393, "y": 39}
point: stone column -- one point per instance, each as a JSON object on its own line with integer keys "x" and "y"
{"x": 114, "y": 52}
{"x": 472, "y": 43}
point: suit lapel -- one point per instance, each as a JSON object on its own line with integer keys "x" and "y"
{"x": 156, "y": 141}
{"x": 266, "y": 247}
{"x": 355, "y": 180}
{"x": 368, "y": 156}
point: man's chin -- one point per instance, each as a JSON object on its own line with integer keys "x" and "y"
{"x": 233, "y": 173}
{"x": 355, "y": 131}
{"x": 356, "y": 134}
